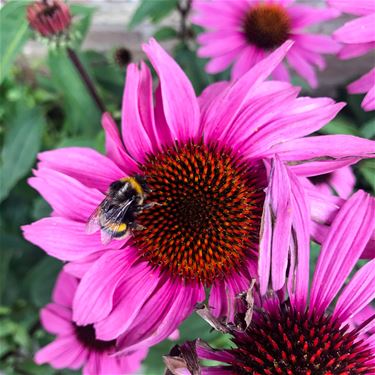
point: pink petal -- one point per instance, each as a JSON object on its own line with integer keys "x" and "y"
{"x": 348, "y": 236}
{"x": 281, "y": 73}
{"x": 306, "y": 116}
{"x": 180, "y": 105}
{"x": 303, "y": 15}
{"x": 232, "y": 103}
{"x": 114, "y": 147}
{"x": 80, "y": 266}
{"x": 84, "y": 164}
{"x": 302, "y": 67}
{"x": 349, "y": 51}
{"x": 110, "y": 365}
{"x": 298, "y": 280}
{"x": 131, "y": 362}
{"x": 134, "y": 134}
{"x": 224, "y": 296}
{"x": 220, "y": 63}
{"x": 61, "y": 353}
{"x": 56, "y": 319}
{"x": 359, "y": 293}
{"x": 64, "y": 289}
{"x": 65, "y": 239}
{"x": 165, "y": 310}
{"x": 343, "y": 181}
{"x": 317, "y": 43}
{"x": 68, "y": 197}
{"x": 359, "y": 8}
{"x": 249, "y": 57}
{"x": 368, "y": 103}
{"x": 363, "y": 84}
{"x": 93, "y": 300}
{"x": 279, "y": 193}
{"x": 131, "y": 294}
{"x": 360, "y": 30}
{"x": 221, "y": 46}
{"x": 325, "y": 146}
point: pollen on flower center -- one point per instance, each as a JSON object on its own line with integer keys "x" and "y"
{"x": 86, "y": 336}
{"x": 208, "y": 218}
{"x": 300, "y": 344}
{"x": 267, "y": 26}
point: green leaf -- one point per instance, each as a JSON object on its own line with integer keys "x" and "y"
{"x": 14, "y": 32}
{"x": 82, "y": 116}
{"x": 367, "y": 169}
{"x": 156, "y": 10}
{"x": 22, "y": 142}
{"x": 83, "y": 17}
{"x": 41, "y": 279}
{"x": 368, "y": 129}
{"x": 166, "y": 33}
{"x": 340, "y": 125}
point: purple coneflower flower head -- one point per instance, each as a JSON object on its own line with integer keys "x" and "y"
{"x": 358, "y": 37}
{"x": 206, "y": 162}
{"x": 50, "y": 18}
{"x": 301, "y": 334}
{"x": 243, "y": 32}
{"x": 77, "y": 346}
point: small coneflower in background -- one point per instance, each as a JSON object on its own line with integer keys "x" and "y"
{"x": 301, "y": 335}
{"x": 50, "y": 18}
{"x": 76, "y": 346}
{"x": 358, "y": 37}
{"x": 214, "y": 165}
{"x": 243, "y": 32}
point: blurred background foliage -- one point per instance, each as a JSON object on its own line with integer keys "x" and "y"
{"x": 45, "y": 105}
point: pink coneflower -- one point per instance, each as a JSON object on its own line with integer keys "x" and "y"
{"x": 76, "y": 346}
{"x": 212, "y": 166}
{"x": 359, "y": 38}
{"x": 243, "y": 32}
{"x": 281, "y": 335}
{"x": 50, "y": 18}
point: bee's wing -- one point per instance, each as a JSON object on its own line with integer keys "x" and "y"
{"x": 93, "y": 222}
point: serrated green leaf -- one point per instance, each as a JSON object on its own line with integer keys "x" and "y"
{"x": 14, "y": 32}
{"x": 22, "y": 142}
{"x": 166, "y": 33}
{"x": 156, "y": 10}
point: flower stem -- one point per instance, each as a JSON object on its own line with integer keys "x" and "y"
{"x": 86, "y": 79}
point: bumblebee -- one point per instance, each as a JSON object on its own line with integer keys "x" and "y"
{"x": 116, "y": 214}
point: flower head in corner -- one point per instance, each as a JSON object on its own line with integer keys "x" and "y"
{"x": 201, "y": 178}
{"x": 358, "y": 37}
{"x": 297, "y": 334}
{"x": 77, "y": 346}
{"x": 243, "y": 32}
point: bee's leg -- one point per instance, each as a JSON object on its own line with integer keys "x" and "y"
{"x": 135, "y": 226}
{"x": 149, "y": 205}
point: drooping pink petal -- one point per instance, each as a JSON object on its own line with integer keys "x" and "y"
{"x": 359, "y": 293}
{"x": 360, "y": 7}
{"x": 360, "y": 30}
{"x": 61, "y": 353}
{"x": 277, "y": 249}
{"x": 56, "y": 319}
{"x": 220, "y": 63}
{"x": 131, "y": 362}
{"x": 67, "y": 196}
{"x": 368, "y": 103}
{"x": 134, "y": 134}
{"x": 65, "y": 239}
{"x": 298, "y": 279}
{"x": 180, "y": 105}
{"x": 84, "y": 164}
{"x": 165, "y": 310}
{"x": 231, "y": 104}
{"x": 247, "y": 58}
{"x": 302, "y": 67}
{"x": 281, "y": 73}
{"x": 98, "y": 286}
{"x": 363, "y": 84}
{"x": 350, "y": 231}
{"x": 343, "y": 181}
{"x": 114, "y": 147}
{"x": 228, "y": 42}
{"x": 64, "y": 289}
{"x": 128, "y": 301}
